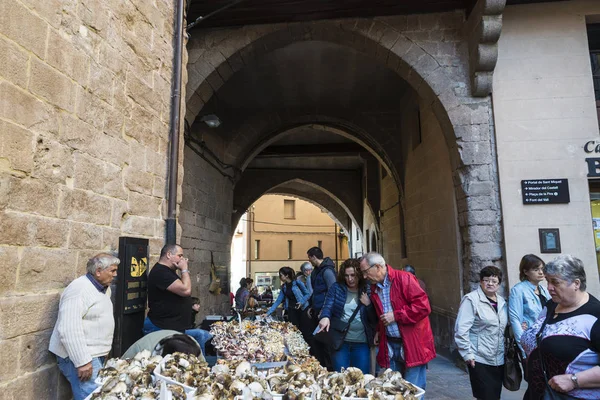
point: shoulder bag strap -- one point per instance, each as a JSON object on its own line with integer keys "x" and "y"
{"x": 356, "y": 310}
{"x": 538, "y": 339}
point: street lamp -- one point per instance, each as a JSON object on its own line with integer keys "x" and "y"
{"x": 211, "y": 120}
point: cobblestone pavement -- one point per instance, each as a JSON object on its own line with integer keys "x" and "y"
{"x": 446, "y": 381}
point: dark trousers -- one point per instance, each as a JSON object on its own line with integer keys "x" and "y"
{"x": 306, "y": 327}
{"x": 318, "y": 349}
{"x": 294, "y": 316}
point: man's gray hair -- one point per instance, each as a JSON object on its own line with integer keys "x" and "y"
{"x": 568, "y": 268}
{"x": 102, "y": 261}
{"x": 374, "y": 258}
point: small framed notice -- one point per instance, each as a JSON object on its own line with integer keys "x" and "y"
{"x": 549, "y": 240}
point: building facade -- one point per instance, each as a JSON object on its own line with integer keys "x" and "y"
{"x": 279, "y": 231}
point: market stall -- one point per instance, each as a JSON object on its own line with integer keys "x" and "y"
{"x": 257, "y": 360}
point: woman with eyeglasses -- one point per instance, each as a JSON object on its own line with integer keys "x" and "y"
{"x": 479, "y": 334}
{"x": 527, "y": 298}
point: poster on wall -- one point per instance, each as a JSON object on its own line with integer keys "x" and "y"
{"x": 549, "y": 240}
{"x": 222, "y": 273}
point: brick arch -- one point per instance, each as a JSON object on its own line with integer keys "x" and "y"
{"x": 466, "y": 121}
{"x": 384, "y": 43}
{"x": 346, "y": 193}
{"x": 349, "y": 130}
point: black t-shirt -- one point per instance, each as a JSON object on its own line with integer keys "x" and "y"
{"x": 289, "y": 293}
{"x": 494, "y": 304}
{"x": 570, "y": 343}
{"x": 167, "y": 309}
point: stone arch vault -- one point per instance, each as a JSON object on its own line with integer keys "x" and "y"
{"x": 439, "y": 74}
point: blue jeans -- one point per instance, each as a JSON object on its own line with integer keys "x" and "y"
{"x": 353, "y": 355}
{"x": 81, "y": 389}
{"x": 200, "y": 335}
{"x": 415, "y": 375}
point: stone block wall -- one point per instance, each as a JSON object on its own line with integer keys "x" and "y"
{"x": 205, "y": 220}
{"x": 84, "y": 110}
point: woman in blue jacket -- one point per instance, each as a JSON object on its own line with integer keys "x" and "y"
{"x": 350, "y": 291}
{"x": 528, "y": 297}
{"x": 295, "y": 295}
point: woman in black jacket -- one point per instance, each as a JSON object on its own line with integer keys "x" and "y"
{"x": 350, "y": 291}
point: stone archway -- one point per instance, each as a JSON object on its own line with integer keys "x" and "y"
{"x": 436, "y": 69}
{"x": 343, "y": 195}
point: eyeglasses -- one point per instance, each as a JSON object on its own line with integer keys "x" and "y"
{"x": 492, "y": 282}
{"x": 364, "y": 272}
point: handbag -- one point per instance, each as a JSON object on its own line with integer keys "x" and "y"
{"x": 512, "y": 362}
{"x": 549, "y": 393}
{"x": 334, "y": 339}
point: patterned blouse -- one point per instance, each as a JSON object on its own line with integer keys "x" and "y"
{"x": 570, "y": 344}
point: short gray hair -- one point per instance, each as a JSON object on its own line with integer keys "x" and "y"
{"x": 306, "y": 265}
{"x": 374, "y": 258}
{"x": 568, "y": 268}
{"x": 101, "y": 261}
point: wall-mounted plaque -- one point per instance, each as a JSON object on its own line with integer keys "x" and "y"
{"x": 545, "y": 191}
{"x": 549, "y": 240}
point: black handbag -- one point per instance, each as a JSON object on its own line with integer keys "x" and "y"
{"x": 334, "y": 339}
{"x": 512, "y": 362}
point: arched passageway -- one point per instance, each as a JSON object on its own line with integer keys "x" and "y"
{"x": 362, "y": 109}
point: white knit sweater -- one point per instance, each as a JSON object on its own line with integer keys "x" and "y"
{"x": 85, "y": 325}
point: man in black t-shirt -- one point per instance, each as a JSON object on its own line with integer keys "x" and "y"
{"x": 169, "y": 296}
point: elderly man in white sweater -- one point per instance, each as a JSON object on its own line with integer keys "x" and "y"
{"x": 83, "y": 333}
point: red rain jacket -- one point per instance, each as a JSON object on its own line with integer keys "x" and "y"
{"x": 411, "y": 311}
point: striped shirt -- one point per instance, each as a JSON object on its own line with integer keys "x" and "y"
{"x": 383, "y": 290}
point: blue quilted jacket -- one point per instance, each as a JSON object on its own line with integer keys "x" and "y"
{"x": 334, "y": 308}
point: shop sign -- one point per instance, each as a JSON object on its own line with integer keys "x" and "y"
{"x": 545, "y": 191}
{"x": 593, "y": 163}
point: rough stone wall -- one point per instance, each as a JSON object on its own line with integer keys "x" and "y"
{"x": 205, "y": 220}
{"x": 84, "y": 110}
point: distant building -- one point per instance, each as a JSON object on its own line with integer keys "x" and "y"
{"x": 277, "y": 231}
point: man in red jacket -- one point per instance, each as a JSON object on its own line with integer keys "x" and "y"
{"x": 405, "y": 337}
